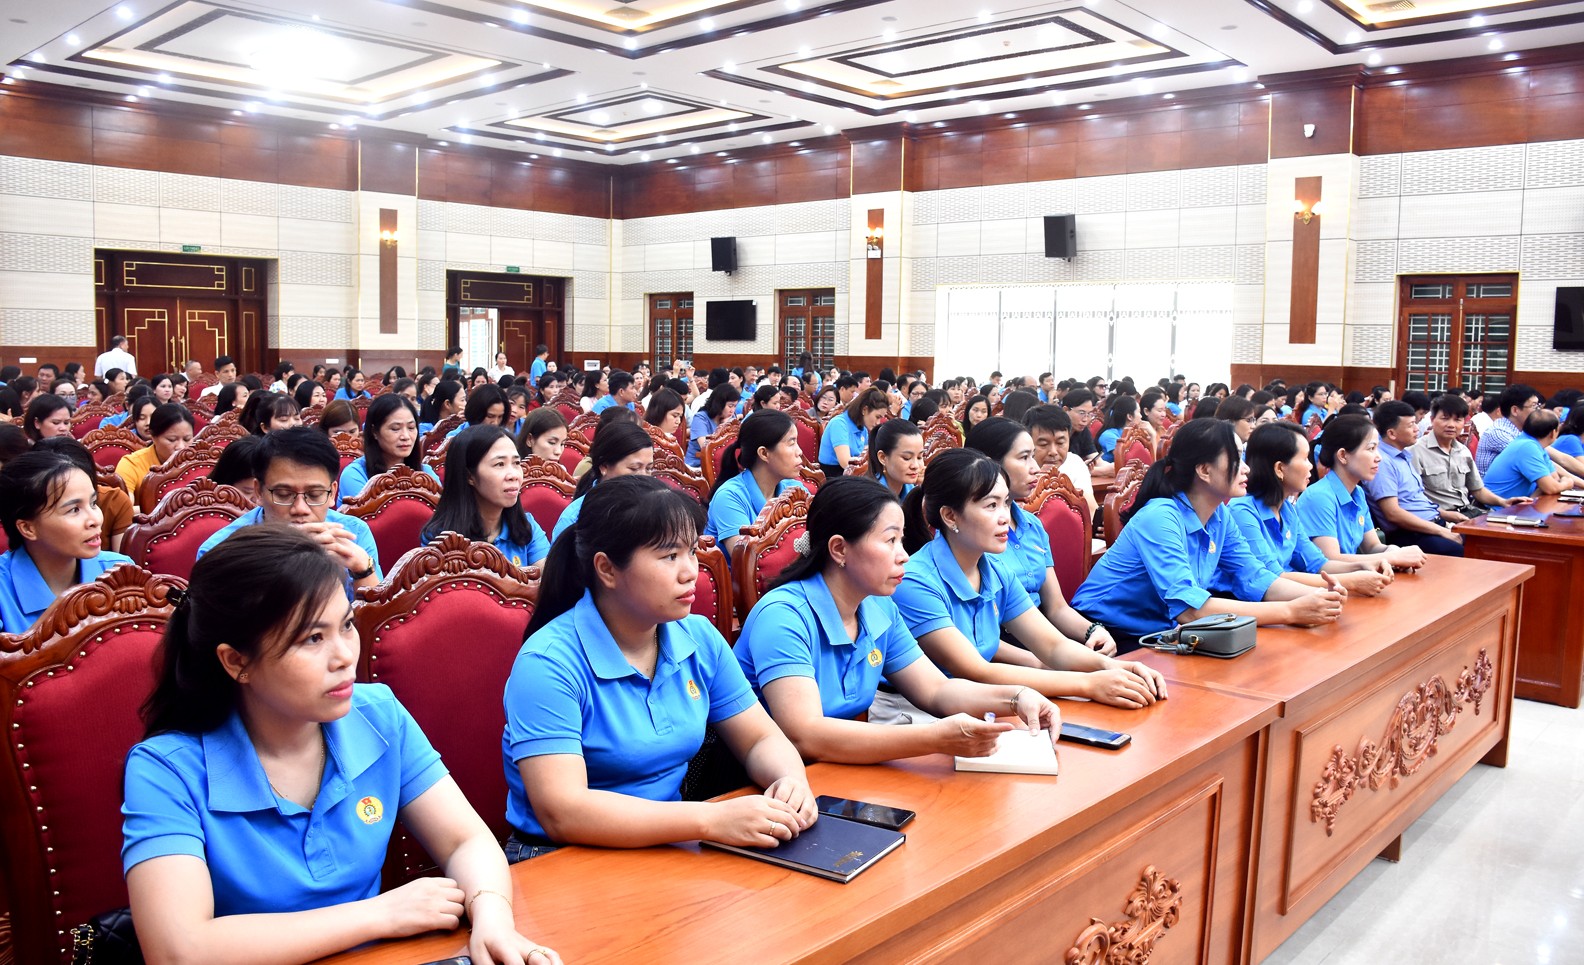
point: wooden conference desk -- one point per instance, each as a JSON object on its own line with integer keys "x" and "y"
{"x": 1551, "y": 632}
{"x": 1156, "y": 848}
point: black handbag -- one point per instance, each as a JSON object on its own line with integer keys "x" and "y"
{"x": 1224, "y": 635}
{"x": 107, "y": 939}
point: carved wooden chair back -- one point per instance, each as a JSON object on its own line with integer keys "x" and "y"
{"x": 1064, "y": 513}
{"x": 713, "y": 449}
{"x": 546, "y": 492}
{"x": 349, "y": 447}
{"x": 574, "y": 452}
{"x": 584, "y": 424}
{"x": 808, "y": 431}
{"x": 434, "y": 437}
{"x": 191, "y": 463}
{"x": 766, "y": 547}
{"x": 712, "y": 594}
{"x": 108, "y": 445}
{"x": 220, "y": 432}
{"x": 941, "y": 422}
{"x": 1134, "y": 443}
{"x": 166, "y": 540}
{"x": 310, "y": 416}
{"x": 396, "y": 504}
{"x": 1118, "y": 502}
{"x": 87, "y": 419}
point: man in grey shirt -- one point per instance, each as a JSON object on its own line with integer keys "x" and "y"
{"x": 1450, "y": 478}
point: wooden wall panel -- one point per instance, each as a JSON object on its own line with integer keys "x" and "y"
{"x": 877, "y": 164}
{"x": 387, "y": 166}
{"x": 1329, "y": 109}
{"x": 815, "y": 171}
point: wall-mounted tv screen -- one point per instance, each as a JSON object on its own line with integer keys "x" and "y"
{"x": 729, "y": 321}
{"x": 1568, "y": 335}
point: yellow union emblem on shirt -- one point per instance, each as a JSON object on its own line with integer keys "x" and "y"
{"x": 370, "y": 810}
{"x": 693, "y": 690}
{"x": 874, "y": 657}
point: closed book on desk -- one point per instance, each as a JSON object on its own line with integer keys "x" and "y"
{"x": 1518, "y": 516}
{"x": 1017, "y": 752}
{"x": 831, "y": 848}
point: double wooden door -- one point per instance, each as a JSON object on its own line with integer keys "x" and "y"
{"x": 176, "y": 308}
{"x": 806, "y": 322}
{"x": 1456, "y": 331}
{"x": 671, "y": 327}
{"x": 505, "y": 312}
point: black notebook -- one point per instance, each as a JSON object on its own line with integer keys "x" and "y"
{"x": 832, "y": 848}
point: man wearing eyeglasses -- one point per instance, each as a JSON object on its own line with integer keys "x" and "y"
{"x": 296, "y": 471}
{"x": 1515, "y": 404}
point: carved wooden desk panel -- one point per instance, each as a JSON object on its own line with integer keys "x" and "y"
{"x": 1145, "y": 850}
{"x": 1381, "y": 714}
{"x": 1550, "y": 631}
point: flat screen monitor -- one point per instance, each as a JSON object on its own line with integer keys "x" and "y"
{"x": 729, "y": 321}
{"x": 1568, "y": 335}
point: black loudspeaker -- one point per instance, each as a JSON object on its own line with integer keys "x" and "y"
{"x": 723, "y": 254}
{"x": 1061, "y": 236}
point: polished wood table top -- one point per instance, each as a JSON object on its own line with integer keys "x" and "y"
{"x": 684, "y": 904}
{"x": 1289, "y": 662}
{"x": 1559, "y": 529}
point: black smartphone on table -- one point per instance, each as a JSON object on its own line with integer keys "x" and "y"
{"x": 1094, "y": 737}
{"x": 879, "y": 815}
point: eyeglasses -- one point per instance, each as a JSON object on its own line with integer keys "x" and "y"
{"x": 285, "y": 496}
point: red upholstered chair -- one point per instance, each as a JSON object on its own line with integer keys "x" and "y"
{"x": 663, "y": 442}
{"x": 1117, "y": 502}
{"x": 671, "y": 469}
{"x": 349, "y": 447}
{"x": 107, "y": 476}
{"x": 712, "y": 451}
{"x": 808, "y": 431}
{"x": 360, "y": 405}
{"x": 437, "y": 435}
{"x": 310, "y": 415}
{"x": 766, "y": 548}
{"x": 191, "y": 463}
{"x": 396, "y": 505}
{"x": 442, "y": 631}
{"x": 1064, "y": 513}
{"x": 1134, "y": 443}
{"x": 712, "y": 594}
{"x": 69, "y": 695}
{"x": 87, "y": 419}
{"x": 573, "y": 453}
{"x": 109, "y": 444}
{"x": 220, "y": 433}
{"x": 584, "y": 424}
{"x": 811, "y": 475}
{"x": 436, "y": 460}
{"x": 167, "y": 539}
{"x": 547, "y": 491}
{"x": 940, "y": 422}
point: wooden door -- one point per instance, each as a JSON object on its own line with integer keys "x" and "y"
{"x": 806, "y": 322}
{"x": 164, "y": 331}
{"x": 1456, "y": 331}
{"x": 671, "y": 327}
{"x": 173, "y": 308}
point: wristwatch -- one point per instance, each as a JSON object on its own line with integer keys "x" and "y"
{"x": 365, "y": 573}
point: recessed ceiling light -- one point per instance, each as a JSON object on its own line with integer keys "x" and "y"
{"x": 1169, "y": 97}
{"x": 804, "y": 53}
{"x": 37, "y": 57}
{"x": 1353, "y": 36}
{"x": 830, "y": 129}
{"x": 765, "y": 138}
{"x": 443, "y": 143}
{"x": 124, "y": 12}
{"x": 1304, "y": 6}
{"x": 1476, "y": 21}
{"x": 671, "y": 160}
{"x": 581, "y": 97}
{"x": 708, "y": 23}
{"x": 631, "y": 43}
{"x": 1240, "y": 74}
{"x": 557, "y": 152}
{"x": 1009, "y": 116}
{"x": 1373, "y": 60}
{"x": 519, "y": 16}
{"x": 720, "y": 153}
{"x": 74, "y": 40}
{"x": 794, "y": 4}
{"x": 335, "y": 127}
{"x": 694, "y": 148}
{"x": 163, "y": 78}
{"x": 1496, "y": 43}
{"x": 236, "y": 113}
{"x": 1084, "y": 107}
{"x": 132, "y": 98}
{"x": 888, "y": 34}
{"x": 251, "y": 107}
{"x": 644, "y": 156}
{"x": 983, "y": 108}
{"x": 984, "y": 16}
{"x": 729, "y": 66}
{"x": 600, "y": 117}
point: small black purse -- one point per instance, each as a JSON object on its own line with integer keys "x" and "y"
{"x": 107, "y": 939}
{"x": 1223, "y": 635}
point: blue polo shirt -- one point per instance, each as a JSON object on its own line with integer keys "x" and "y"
{"x": 534, "y": 552}
{"x": 536, "y": 369}
{"x": 1279, "y": 542}
{"x": 343, "y": 395}
{"x": 1167, "y": 561}
{"x": 24, "y": 596}
{"x": 207, "y": 795}
{"x": 114, "y": 420}
{"x": 934, "y": 594}
{"x": 701, "y": 428}
{"x": 1028, "y": 551}
{"x": 1518, "y": 469}
{"x": 1312, "y": 412}
{"x": 359, "y": 529}
{"x": 906, "y": 487}
{"x": 1328, "y": 509}
{"x": 796, "y": 631}
{"x": 572, "y": 691}
{"x": 568, "y": 518}
{"x": 737, "y": 503}
{"x": 355, "y": 477}
{"x": 1107, "y": 443}
{"x": 842, "y": 431}
{"x": 1398, "y": 477}
{"x": 1570, "y": 446}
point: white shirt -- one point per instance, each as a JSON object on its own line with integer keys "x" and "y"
{"x": 1482, "y": 422}
{"x": 1073, "y": 468}
{"x": 211, "y": 390}
{"x": 115, "y": 359}
{"x": 496, "y": 374}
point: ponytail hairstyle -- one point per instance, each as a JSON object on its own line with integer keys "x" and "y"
{"x": 444, "y": 391}
{"x": 866, "y": 402}
{"x": 618, "y": 519}
{"x": 612, "y": 444}
{"x": 458, "y": 508}
{"x": 994, "y": 437}
{"x": 765, "y": 430}
{"x": 1121, "y": 408}
{"x": 236, "y": 596}
{"x": 42, "y": 406}
{"x": 956, "y": 478}
{"x": 481, "y": 400}
{"x": 1199, "y": 442}
{"x": 763, "y": 397}
{"x": 385, "y": 405}
{"x": 721, "y": 397}
{"x": 29, "y": 485}
{"x": 167, "y": 416}
{"x": 272, "y": 406}
{"x": 1343, "y": 432}
{"x": 1270, "y": 444}
{"x": 885, "y": 437}
{"x": 847, "y": 506}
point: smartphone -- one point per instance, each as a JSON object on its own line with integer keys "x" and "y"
{"x": 879, "y": 815}
{"x": 1093, "y": 736}
{"x": 459, "y": 960}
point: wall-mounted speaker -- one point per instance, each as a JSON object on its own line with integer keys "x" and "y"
{"x": 1061, "y": 236}
{"x": 723, "y": 254}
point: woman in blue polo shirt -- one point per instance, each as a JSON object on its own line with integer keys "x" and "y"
{"x": 1278, "y": 473}
{"x": 259, "y": 808}
{"x": 50, "y": 510}
{"x": 621, "y": 448}
{"x": 1334, "y": 511}
{"x": 354, "y": 387}
{"x": 1180, "y": 546}
{"x": 761, "y": 464}
{"x": 610, "y": 696}
{"x": 960, "y": 592}
{"x": 390, "y": 439}
{"x": 846, "y": 436}
{"x": 1123, "y": 415}
{"x": 486, "y": 406}
{"x": 1028, "y": 552}
{"x": 815, "y": 646}
{"x": 707, "y": 419}
{"x": 896, "y": 456}
{"x": 483, "y": 481}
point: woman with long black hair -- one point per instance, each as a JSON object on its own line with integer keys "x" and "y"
{"x": 759, "y": 465}
{"x": 483, "y": 481}
{"x": 621, "y": 448}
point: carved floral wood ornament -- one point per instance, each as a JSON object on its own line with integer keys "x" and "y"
{"x": 1421, "y": 717}
{"x": 1152, "y": 908}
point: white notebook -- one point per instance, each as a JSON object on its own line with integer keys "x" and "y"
{"x": 1017, "y": 752}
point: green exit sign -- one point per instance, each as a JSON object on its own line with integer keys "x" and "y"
{"x": 189, "y": 249}
{"x": 514, "y": 269}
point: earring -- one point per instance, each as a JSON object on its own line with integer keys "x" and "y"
{"x": 242, "y": 677}
{"x": 954, "y": 527}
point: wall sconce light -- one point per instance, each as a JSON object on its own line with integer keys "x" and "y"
{"x": 1306, "y": 212}
{"x": 389, "y": 238}
{"x": 874, "y": 242}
